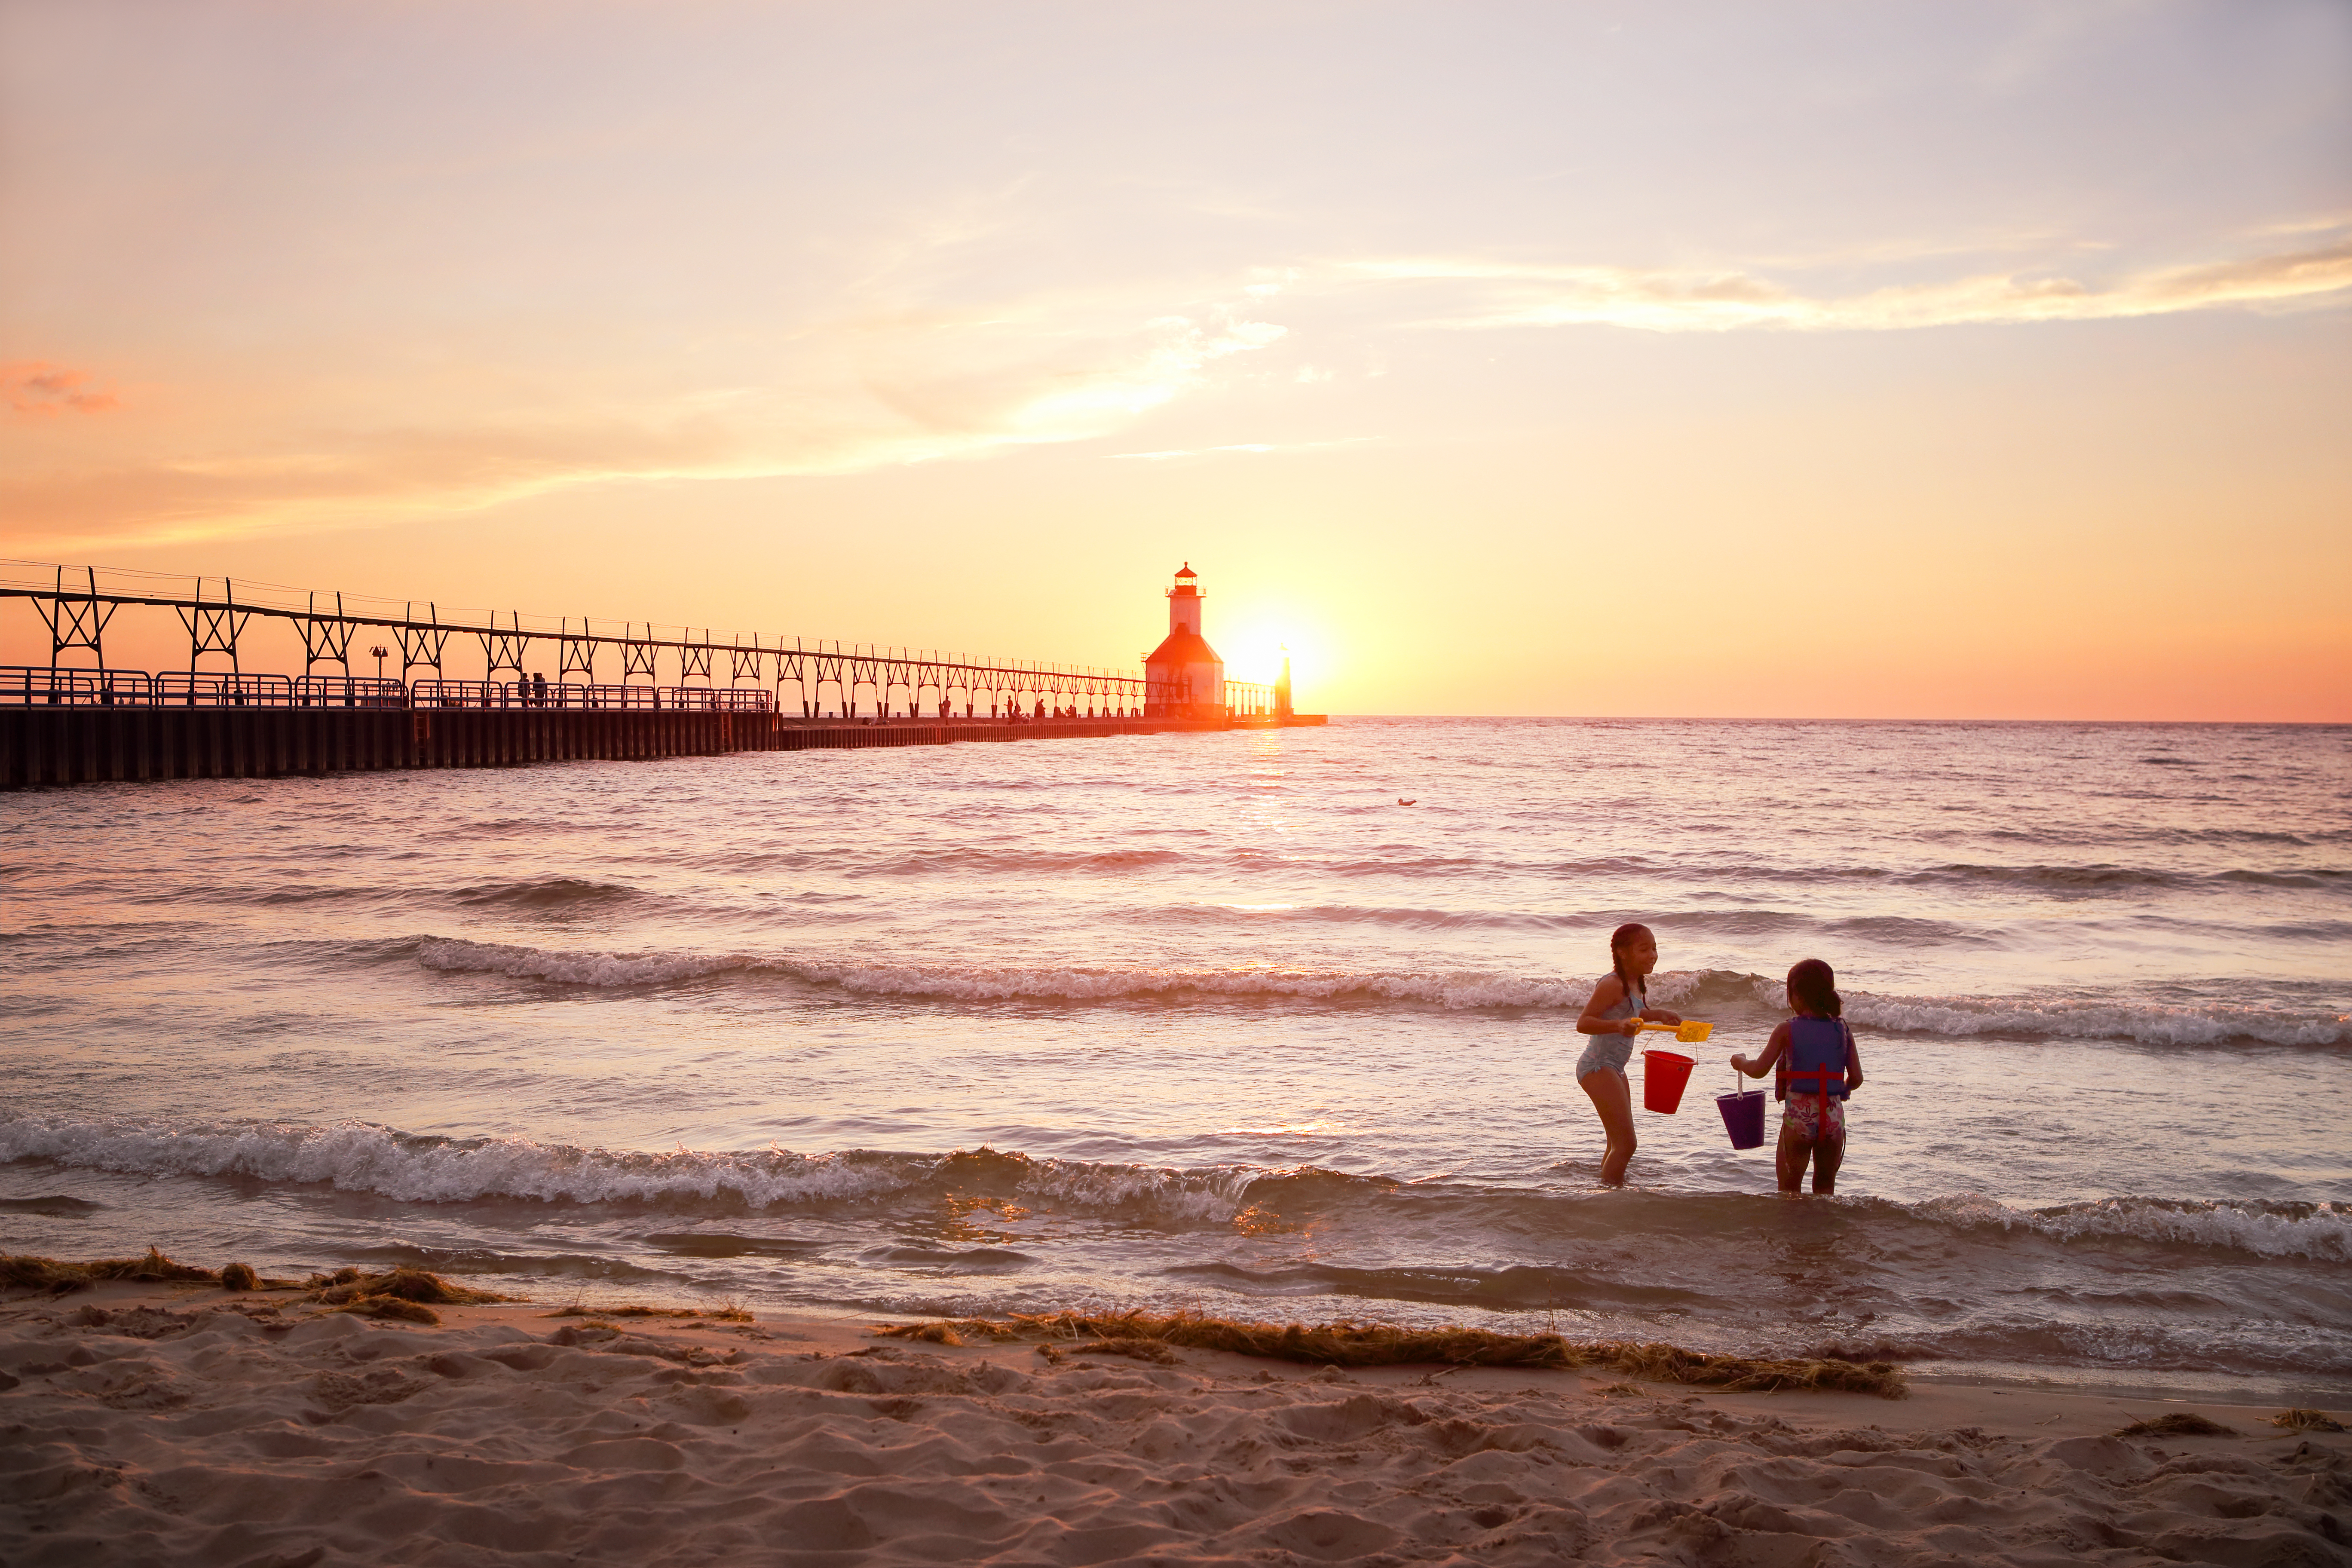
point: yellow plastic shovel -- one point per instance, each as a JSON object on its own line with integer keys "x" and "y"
{"x": 1689, "y": 1032}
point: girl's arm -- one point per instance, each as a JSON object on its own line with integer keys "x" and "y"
{"x": 1660, "y": 1015}
{"x": 1853, "y": 1062}
{"x": 1605, "y": 995}
{"x": 1772, "y": 1049}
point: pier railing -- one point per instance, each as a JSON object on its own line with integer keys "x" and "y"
{"x": 31, "y": 686}
{"x": 23, "y": 686}
{"x": 77, "y": 603}
{"x": 534, "y": 694}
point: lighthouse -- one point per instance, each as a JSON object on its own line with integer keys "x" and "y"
{"x": 1184, "y": 677}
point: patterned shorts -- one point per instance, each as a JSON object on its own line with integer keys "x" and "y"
{"x": 1813, "y": 1116}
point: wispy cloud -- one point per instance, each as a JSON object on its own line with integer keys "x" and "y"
{"x": 894, "y": 377}
{"x": 1020, "y": 393}
{"x": 851, "y": 394}
{"x": 1487, "y": 294}
{"x": 1253, "y": 448}
{"x": 39, "y": 390}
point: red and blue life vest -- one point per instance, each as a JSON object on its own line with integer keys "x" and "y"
{"x": 1814, "y": 1062}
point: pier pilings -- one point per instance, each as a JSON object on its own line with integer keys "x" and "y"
{"x": 92, "y": 744}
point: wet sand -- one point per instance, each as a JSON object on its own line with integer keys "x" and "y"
{"x": 156, "y": 1425}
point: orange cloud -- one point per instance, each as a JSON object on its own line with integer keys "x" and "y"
{"x": 38, "y": 389}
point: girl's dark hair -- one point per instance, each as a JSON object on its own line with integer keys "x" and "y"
{"x": 1814, "y": 985}
{"x": 1624, "y": 937}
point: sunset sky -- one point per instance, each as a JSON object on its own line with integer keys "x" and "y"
{"x": 1868, "y": 359}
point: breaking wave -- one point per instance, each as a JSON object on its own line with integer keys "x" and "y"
{"x": 1412, "y": 862}
{"x": 411, "y": 1168}
{"x": 553, "y": 895}
{"x": 2198, "y": 1023}
{"x": 2319, "y": 1231}
{"x": 2151, "y": 1023}
{"x": 362, "y": 1157}
{"x": 992, "y": 983}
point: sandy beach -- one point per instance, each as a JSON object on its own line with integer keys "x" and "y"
{"x": 191, "y": 1424}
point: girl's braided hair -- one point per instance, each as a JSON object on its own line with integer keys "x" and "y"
{"x": 1624, "y": 937}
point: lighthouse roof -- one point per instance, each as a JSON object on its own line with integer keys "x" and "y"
{"x": 1186, "y": 571}
{"x": 1183, "y": 647}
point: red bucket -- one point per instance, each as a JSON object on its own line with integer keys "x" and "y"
{"x": 1664, "y": 1074}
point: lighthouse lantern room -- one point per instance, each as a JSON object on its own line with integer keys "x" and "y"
{"x": 1184, "y": 677}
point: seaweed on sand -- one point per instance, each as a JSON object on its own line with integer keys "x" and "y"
{"x": 1154, "y": 1351}
{"x": 2179, "y": 1423}
{"x": 394, "y": 1306}
{"x": 20, "y": 1271}
{"x": 2301, "y": 1420}
{"x": 23, "y": 1271}
{"x": 405, "y": 1295}
{"x": 943, "y": 1334}
{"x": 729, "y": 1313}
{"x": 1383, "y": 1344}
{"x": 349, "y": 1285}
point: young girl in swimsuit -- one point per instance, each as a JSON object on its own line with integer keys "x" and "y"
{"x": 1613, "y": 1016}
{"x": 1820, "y": 1065}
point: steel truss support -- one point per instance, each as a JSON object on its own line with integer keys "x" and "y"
{"x": 330, "y": 626}
{"x": 421, "y": 644}
{"x": 503, "y": 650}
{"x": 792, "y": 666}
{"x": 694, "y": 658}
{"x": 327, "y": 639}
{"x": 828, "y": 668}
{"x": 75, "y": 620}
{"x": 212, "y": 629}
{"x": 862, "y": 672}
{"x": 637, "y": 654}
{"x": 575, "y": 652}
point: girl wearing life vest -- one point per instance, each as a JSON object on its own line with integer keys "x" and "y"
{"x": 1818, "y": 1066}
{"x": 1613, "y": 1016}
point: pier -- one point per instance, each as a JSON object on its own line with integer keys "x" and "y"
{"x": 65, "y": 724}
{"x": 94, "y": 744}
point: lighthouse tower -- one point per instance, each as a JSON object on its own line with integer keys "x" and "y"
{"x": 1184, "y": 677}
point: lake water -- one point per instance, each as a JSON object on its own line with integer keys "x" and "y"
{"x": 1213, "y": 1020}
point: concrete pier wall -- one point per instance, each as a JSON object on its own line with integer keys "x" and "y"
{"x": 91, "y": 744}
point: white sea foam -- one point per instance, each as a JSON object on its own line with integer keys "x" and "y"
{"x": 362, "y": 1157}
{"x": 2322, "y": 1232}
{"x": 572, "y": 968}
{"x": 998, "y": 983}
{"x": 2201, "y": 1023}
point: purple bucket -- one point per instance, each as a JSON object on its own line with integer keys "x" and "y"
{"x": 1743, "y": 1117}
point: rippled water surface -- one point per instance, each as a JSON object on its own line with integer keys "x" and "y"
{"x": 1214, "y": 1020}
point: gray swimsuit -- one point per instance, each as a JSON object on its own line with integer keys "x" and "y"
{"x": 1611, "y": 1051}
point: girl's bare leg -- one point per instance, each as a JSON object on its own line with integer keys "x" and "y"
{"x": 1614, "y": 1101}
{"x": 1789, "y": 1158}
{"x": 1828, "y": 1155}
